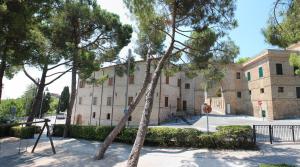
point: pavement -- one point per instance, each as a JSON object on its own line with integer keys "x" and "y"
{"x": 215, "y": 120}
{"x": 79, "y": 153}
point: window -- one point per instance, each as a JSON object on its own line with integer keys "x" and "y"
{"x": 296, "y": 68}
{"x": 279, "y": 69}
{"x": 110, "y": 81}
{"x": 94, "y": 114}
{"x": 250, "y": 92}
{"x": 130, "y": 118}
{"x": 130, "y": 99}
{"x": 179, "y": 82}
{"x": 167, "y": 79}
{"x": 108, "y": 102}
{"x": 131, "y": 79}
{"x": 248, "y": 76}
{"x": 187, "y": 86}
{"x": 238, "y": 75}
{"x": 166, "y": 101}
{"x": 280, "y": 89}
{"x": 239, "y": 94}
{"x": 81, "y": 84}
{"x": 80, "y": 100}
{"x": 262, "y": 90}
{"x": 260, "y": 72}
{"x": 95, "y": 100}
{"x": 108, "y": 116}
{"x": 298, "y": 92}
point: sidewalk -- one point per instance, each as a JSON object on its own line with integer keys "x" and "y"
{"x": 77, "y": 153}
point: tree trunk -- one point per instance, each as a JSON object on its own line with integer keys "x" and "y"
{"x": 141, "y": 134}
{"x": 36, "y": 106}
{"x": 72, "y": 100}
{"x": 113, "y": 134}
{"x": 2, "y": 70}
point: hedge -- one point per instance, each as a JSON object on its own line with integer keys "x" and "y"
{"x": 227, "y": 137}
{"x": 275, "y": 165}
{"x": 18, "y": 131}
{"x": 22, "y": 132}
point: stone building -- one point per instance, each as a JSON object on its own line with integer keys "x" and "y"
{"x": 105, "y": 104}
{"x": 265, "y": 85}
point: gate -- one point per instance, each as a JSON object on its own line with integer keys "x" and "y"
{"x": 276, "y": 133}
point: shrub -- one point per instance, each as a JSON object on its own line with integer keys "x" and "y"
{"x": 58, "y": 130}
{"x": 22, "y": 132}
{"x": 4, "y": 130}
{"x": 227, "y": 137}
{"x": 275, "y": 165}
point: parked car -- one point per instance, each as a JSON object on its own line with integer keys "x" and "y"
{"x": 61, "y": 116}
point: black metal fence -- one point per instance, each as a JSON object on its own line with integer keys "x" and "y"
{"x": 276, "y": 133}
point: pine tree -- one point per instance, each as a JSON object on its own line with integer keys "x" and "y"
{"x": 88, "y": 35}
{"x": 64, "y": 99}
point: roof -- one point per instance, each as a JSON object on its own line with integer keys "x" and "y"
{"x": 295, "y": 46}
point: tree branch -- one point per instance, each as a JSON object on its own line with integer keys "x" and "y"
{"x": 51, "y": 68}
{"x": 58, "y": 77}
{"x": 30, "y": 77}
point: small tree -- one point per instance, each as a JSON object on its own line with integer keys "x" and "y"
{"x": 64, "y": 99}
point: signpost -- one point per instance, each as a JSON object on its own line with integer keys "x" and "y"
{"x": 207, "y": 109}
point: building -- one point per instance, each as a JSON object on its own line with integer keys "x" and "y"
{"x": 105, "y": 104}
{"x": 265, "y": 86}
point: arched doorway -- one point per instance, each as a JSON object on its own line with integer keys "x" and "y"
{"x": 79, "y": 119}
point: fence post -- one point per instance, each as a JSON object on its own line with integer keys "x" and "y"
{"x": 254, "y": 134}
{"x": 270, "y": 133}
{"x": 293, "y": 133}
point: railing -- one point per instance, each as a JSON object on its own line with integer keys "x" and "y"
{"x": 276, "y": 133}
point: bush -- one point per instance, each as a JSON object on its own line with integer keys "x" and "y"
{"x": 227, "y": 137}
{"x": 22, "y": 132}
{"x": 275, "y": 165}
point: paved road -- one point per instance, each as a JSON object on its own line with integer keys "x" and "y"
{"x": 79, "y": 153}
{"x": 221, "y": 120}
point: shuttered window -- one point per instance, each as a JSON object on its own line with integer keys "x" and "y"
{"x": 260, "y": 72}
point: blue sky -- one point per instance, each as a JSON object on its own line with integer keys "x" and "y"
{"x": 252, "y": 16}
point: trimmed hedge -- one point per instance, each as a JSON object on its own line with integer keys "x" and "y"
{"x": 23, "y": 132}
{"x": 275, "y": 165}
{"x": 18, "y": 131}
{"x": 227, "y": 137}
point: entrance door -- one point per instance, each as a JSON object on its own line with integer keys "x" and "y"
{"x": 79, "y": 119}
{"x": 228, "y": 109}
{"x": 178, "y": 104}
{"x": 184, "y": 105}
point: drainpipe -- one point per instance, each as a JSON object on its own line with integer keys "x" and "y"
{"x": 113, "y": 97}
{"x": 91, "y": 109}
{"x": 101, "y": 99}
{"x": 158, "y": 119}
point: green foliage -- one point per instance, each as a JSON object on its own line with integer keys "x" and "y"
{"x": 295, "y": 61}
{"x": 23, "y": 132}
{"x": 53, "y": 106}
{"x": 227, "y": 137}
{"x": 6, "y": 105}
{"x": 283, "y": 28}
{"x": 242, "y": 60}
{"x": 46, "y": 103}
{"x": 64, "y": 99}
{"x": 99, "y": 36}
